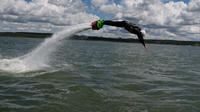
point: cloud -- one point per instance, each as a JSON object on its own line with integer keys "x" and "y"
{"x": 194, "y": 5}
{"x": 110, "y": 8}
{"x": 99, "y": 2}
{"x": 161, "y": 19}
{"x": 147, "y": 12}
{"x": 54, "y": 12}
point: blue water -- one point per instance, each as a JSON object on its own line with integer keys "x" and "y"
{"x": 91, "y": 76}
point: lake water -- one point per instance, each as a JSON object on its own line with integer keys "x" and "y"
{"x": 99, "y": 76}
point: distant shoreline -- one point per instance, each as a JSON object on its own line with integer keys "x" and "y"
{"x": 95, "y": 38}
{"x": 25, "y": 34}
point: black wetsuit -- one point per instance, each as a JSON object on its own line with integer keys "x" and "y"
{"x": 132, "y": 28}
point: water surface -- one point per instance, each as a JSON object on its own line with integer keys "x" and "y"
{"x": 91, "y": 76}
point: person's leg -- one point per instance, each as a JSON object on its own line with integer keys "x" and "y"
{"x": 140, "y": 37}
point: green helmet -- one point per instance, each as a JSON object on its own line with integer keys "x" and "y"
{"x": 100, "y": 24}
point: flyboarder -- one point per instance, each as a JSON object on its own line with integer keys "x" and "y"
{"x": 132, "y": 28}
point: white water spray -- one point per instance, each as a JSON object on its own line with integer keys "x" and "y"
{"x": 39, "y": 58}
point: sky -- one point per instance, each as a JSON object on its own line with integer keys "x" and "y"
{"x": 161, "y": 19}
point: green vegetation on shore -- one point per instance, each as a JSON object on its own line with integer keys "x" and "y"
{"x": 94, "y": 38}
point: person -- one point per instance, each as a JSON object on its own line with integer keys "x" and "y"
{"x": 132, "y": 28}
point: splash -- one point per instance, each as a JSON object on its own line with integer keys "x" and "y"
{"x": 39, "y": 58}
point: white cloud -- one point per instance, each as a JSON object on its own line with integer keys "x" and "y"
{"x": 151, "y": 12}
{"x": 194, "y": 5}
{"x": 110, "y": 8}
{"x": 190, "y": 29}
{"x": 55, "y": 12}
{"x": 163, "y": 19}
{"x": 99, "y": 2}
